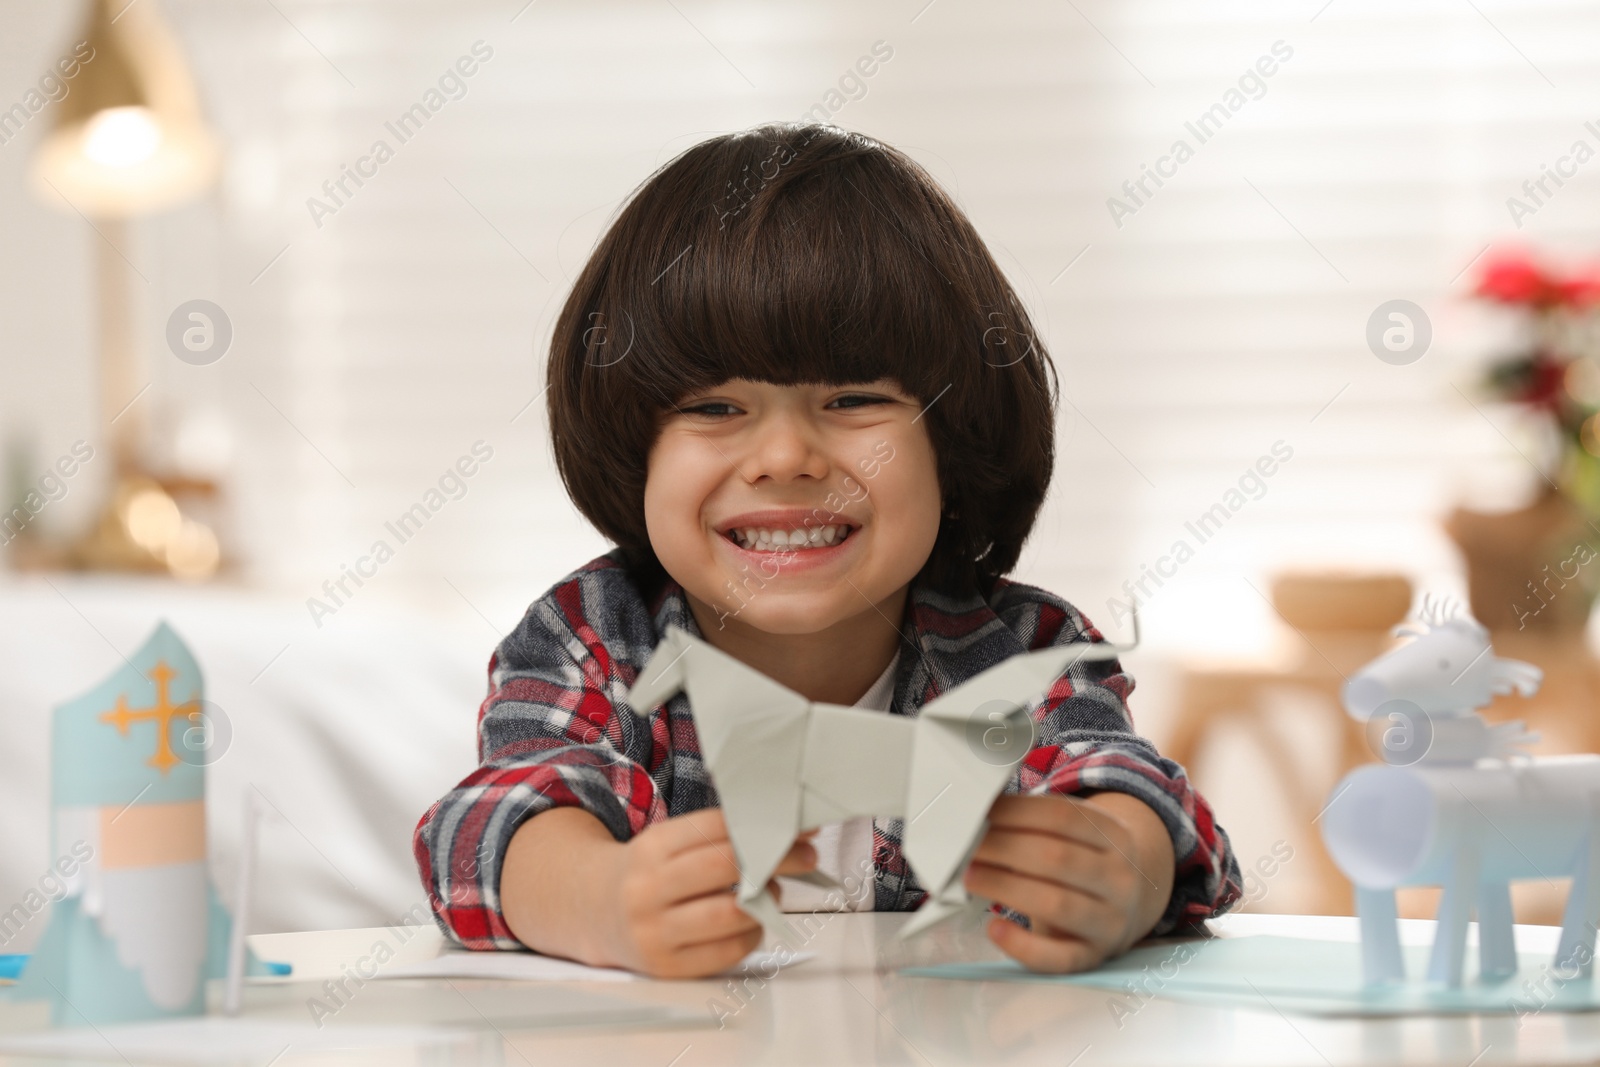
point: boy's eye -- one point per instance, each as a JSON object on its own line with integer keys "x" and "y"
{"x": 710, "y": 408}
{"x": 720, "y": 408}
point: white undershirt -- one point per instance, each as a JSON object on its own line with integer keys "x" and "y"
{"x": 844, "y": 849}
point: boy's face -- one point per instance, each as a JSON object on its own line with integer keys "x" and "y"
{"x": 848, "y": 464}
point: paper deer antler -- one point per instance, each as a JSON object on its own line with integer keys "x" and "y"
{"x": 783, "y": 764}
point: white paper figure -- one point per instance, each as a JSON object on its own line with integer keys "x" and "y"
{"x": 782, "y": 764}
{"x": 1457, "y": 805}
{"x": 139, "y": 927}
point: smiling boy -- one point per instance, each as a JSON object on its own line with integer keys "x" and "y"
{"x": 826, "y": 436}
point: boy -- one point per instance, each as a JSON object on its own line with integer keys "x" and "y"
{"x": 795, "y": 390}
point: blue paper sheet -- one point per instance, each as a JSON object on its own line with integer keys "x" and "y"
{"x": 11, "y": 967}
{"x": 1293, "y": 974}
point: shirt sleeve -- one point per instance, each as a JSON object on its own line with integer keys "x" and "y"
{"x": 549, "y": 734}
{"x": 1085, "y": 743}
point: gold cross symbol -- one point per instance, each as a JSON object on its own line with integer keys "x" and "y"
{"x": 163, "y": 713}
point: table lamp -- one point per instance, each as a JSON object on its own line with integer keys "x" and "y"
{"x": 129, "y": 140}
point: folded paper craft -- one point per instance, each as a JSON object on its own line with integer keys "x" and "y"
{"x": 782, "y": 764}
{"x": 1456, "y": 804}
{"x": 138, "y": 928}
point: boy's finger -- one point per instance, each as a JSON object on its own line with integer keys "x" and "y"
{"x": 801, "y": 857}
{"x": 1062, "y": 816}
{"x": 709, "y": 957}
{"x": 685, "y": 833}
{"x": 695, "y": 872}
{"x": 712, "y": 917}
{"x": 1067, "y": 912}
{"x": 706, "y": 826}
{"x": 712, "y": 866}
{"x": 1044, "y": 856}
{"x": 1039, "y": 952}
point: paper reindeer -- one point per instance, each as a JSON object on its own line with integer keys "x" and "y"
{"x": 139, "y": 927}
{"x": 1457, "y": 805}
{"x": 782, "y": 764}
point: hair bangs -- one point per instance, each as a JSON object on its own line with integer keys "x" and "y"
{"x": 807, "y": 281}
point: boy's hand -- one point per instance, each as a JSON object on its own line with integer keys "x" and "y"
{"x": 675, "y": 913}
{"x": 1091, "y": 874}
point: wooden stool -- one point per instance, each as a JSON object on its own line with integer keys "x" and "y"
{"x": 1343, "y": 622}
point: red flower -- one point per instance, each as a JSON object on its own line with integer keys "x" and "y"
{"x": 1514, "y": 278}
{"x": 1580, "y": 290}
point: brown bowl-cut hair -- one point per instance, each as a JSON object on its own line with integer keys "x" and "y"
{"x": 798, "y": 253}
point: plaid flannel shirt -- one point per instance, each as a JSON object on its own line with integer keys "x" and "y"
{"x": 555, "y": 729}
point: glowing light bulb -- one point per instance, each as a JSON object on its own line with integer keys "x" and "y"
{"x": 121, "y": 136}
{"x": 193, "y": 554}
{"x": 152, "y": 519}
{"x": 1589, "y": 435}
{"x": 1582, "y": 380}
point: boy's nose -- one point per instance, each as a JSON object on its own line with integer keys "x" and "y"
{"x": 786, "y": 448}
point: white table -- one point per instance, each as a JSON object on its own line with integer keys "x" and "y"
{"x": 848, "y": 1006}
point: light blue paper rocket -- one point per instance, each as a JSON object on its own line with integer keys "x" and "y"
{"x": 140, "y": 927}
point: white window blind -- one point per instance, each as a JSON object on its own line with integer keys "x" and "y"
{"x": 1225, "y": 314}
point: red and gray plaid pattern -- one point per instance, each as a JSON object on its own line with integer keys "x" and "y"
{"x": 554, "y": 730}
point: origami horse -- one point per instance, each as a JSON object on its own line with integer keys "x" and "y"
{"x": 782, "y": 764}
{"x": 1457, "y": 805}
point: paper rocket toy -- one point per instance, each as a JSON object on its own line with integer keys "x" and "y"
{"x": 139, "y": 928}
{"x": 782, "y": 764}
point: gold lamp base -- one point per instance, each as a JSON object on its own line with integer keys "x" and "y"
{"x": 141, "y": 529}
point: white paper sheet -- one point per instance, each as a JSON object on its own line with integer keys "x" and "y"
{"x": 533, "y": 967}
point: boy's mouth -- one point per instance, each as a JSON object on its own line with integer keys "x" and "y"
{"x": 800, "y": 538}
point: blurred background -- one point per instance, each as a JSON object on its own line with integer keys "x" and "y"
{"x": 241, "y": 340}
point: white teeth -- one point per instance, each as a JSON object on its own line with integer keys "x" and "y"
{"x": 766, "y": 540}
